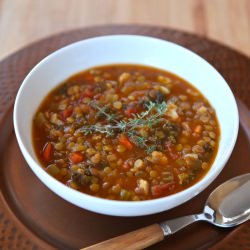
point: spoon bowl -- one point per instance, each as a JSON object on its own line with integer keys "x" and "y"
{"x": 229, "y": 204}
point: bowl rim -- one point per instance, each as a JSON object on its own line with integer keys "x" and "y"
{"x": 37, "y": 168}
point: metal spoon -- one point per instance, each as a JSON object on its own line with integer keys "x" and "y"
{"x": 227, "y": 206}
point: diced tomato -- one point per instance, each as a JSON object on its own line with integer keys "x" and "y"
{"x": 159, "y": 190}
{"x": 89, "y": 77}
{"x": 87, "y": 93}
{"x": 129, "y": 111}
{"x": 98, "y": 96}
{"x": 126, "y": 166}
{"x": 67, "y": 112}
{"x": 170, "y": 149}
{"x": 123, "y": 139}
{"x": 76, "y": 157}
{"x": 48, "y": 152}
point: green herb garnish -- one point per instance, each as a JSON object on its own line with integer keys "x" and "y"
{"x": 149, "y": 118}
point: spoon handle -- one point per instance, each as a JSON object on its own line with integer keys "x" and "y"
{"x": 135, "y": 240}
{"x": 146, "y": 236}
{"x": 172, "y": 226}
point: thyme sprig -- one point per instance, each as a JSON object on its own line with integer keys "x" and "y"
{"x": 148, "y": 118}
{"x": 103, "y": 111}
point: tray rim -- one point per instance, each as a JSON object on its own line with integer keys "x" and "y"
{"x": 149, "y": 26}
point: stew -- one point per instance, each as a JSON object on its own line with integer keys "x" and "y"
{"x": 126, "y": 132}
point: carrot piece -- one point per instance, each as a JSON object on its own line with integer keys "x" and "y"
{"x": 123, "y": 139}
{"x": 67, "y": 112}
{"x": 76, "y": 157}
{"x": 198, "y": 129}
{"x": 47, "y": 151}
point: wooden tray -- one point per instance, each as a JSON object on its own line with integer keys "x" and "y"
{"x": 32, "y": 217}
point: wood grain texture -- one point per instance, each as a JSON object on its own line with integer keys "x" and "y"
{"x": 136, "y": 240}
{"x": 24, "y": 21}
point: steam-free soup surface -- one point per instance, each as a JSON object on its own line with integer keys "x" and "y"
{"x": 126, "y": 132}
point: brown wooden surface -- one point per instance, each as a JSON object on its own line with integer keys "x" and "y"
{"x": 24, "y": 21}
{"x": 32, "y": 217}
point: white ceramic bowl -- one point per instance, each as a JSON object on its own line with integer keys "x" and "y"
{"x": 135, "y": 50}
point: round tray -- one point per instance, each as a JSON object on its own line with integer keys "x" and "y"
{"x": 32, "y": 217}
